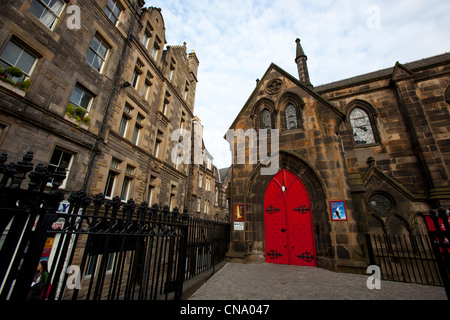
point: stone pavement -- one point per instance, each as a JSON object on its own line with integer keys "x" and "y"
{"x": 235, "y": 281}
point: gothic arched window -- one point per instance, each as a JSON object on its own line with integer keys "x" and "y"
{"x": 362, "y": 127}
{"x": 291, "y": 117}
{"x": 266, "y": 121}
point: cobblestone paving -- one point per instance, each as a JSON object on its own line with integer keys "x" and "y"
{"x": 282, "y": 282}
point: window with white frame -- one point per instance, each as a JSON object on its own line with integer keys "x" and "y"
{"x": 147, "y": 86}
{"x": 110, "y": 263}
{"x": 158, "y": 144}
{"x": 200, "y": 180}
{"x": 151, "y": 190}
{"x": 91, "y": 265}
{"x": 47, "y": 11}
{"x": 186, "y": 91}
{"x": 127, "y": 180}
{"x": 97, "y": 53}
{"x": 81, "y": 98}
{"x": 15, "y": 55}
{"x": 58, "y": 158}
{"x": 137, "y": 72}
{"x": 124, "y": 125}
{"x": 125, "y": 188}
{"x": 199, "y": 204}
{"x": 173, "y": 192}
{"x": 209, "y": 163}
{"x": 208, "y": 184}
{"x": 216, "y": 197}
{"x": 146, "y": 36}
{"x": 112, "y": 178}
{"x": 137, "y": 129}
{"x": 113, "y": 10}
{"x": 166, "y": 103}
{"x": 135, "y": 77}
{"x": 172, "y": 70}
{"x": 124, "y": 122}
{"x": 206, "y": 207}
{"x": 182, "y": 123}
{"x": 130, "y": 170}
{"x": 156, "y": 47}
{"x": 179, "y": 152}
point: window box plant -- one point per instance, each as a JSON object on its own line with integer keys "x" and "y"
{"x": 78, "y": 114}
{"x": 12, "y": 72}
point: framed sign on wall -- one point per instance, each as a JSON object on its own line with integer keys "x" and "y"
{"x": 338, "y": 211}
{"x": 239, "y": 212}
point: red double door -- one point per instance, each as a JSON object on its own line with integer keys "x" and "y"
{"x": 289, "y": 236}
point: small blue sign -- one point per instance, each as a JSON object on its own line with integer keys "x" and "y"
{"x": 338, "y": 211}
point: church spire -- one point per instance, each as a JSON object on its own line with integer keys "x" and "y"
{"x": 300, "y": 60}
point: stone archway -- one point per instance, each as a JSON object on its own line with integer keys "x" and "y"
{"x": 254, "y": 201}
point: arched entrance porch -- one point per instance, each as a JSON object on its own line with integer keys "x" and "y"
{"x": 254, "y": 242}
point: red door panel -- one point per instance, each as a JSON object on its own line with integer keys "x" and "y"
{"x": 275, "y": 225}
{"x": 298, "y": 210}
{"x": 288, "y": 222}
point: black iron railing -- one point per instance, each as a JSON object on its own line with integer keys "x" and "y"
{"x": 404, "y": 257}
{"x": 100, "y": 248}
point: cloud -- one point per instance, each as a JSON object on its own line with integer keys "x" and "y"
{"x": 236, "y": 40}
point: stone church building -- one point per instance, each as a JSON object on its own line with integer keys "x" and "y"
{"x": 369, "y": 154}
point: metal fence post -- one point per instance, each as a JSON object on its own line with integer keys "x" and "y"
{"x": 182, "y": 261}
{"x": 370, "y": 249}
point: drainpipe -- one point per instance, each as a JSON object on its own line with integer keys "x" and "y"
{"x": 94, "y": 149}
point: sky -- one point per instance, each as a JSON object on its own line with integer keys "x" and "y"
{"x": 237, "y": 40}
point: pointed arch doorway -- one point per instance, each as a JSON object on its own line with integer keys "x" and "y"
{"x": 289, "y": 235}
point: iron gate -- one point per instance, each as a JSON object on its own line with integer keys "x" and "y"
{"x": 128, "y": 254}
{"x": 404, "y": 258}
{"x": 423, "y": 259}
{"x": 101, "y": 248}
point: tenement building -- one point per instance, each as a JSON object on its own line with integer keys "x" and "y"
{"x": 94, "y": 85}
{"x": 369, "y": 154}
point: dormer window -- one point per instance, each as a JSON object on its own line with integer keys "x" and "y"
{"x": 172, "y": 70}
{"x": 147, "y": 35}
{"x": 156, "y": 47}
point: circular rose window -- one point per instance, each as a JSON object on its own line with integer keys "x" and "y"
{"x": 380, "y": 203}
{"x": 274, "y": 86}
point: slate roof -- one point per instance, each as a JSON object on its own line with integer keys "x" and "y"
{"x": 384, "y": 73}
{"x": 221, "y": 173}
